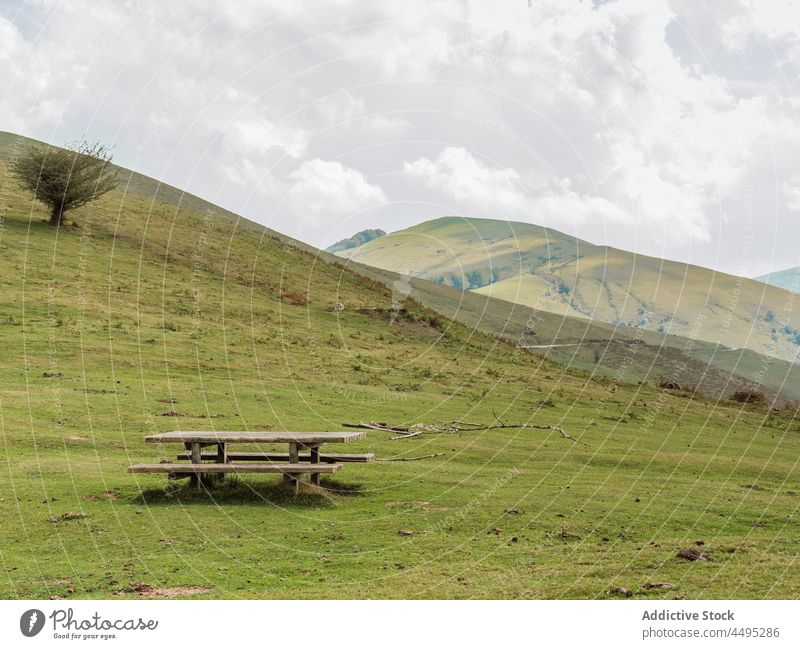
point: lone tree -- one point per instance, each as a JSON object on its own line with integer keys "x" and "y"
{"x": 64, "y": 179}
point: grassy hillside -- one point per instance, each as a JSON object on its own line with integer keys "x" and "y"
{"x": 549, "y": 271}
{"x": 577, "y": 342}
{"x": 142, "y": 309}
{"x": 619, "y": 352}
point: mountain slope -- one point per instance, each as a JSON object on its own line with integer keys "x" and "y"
{"x": 788, "y": 279}
{"x": 576, "y": 342}
{"x": 549, "y": 271}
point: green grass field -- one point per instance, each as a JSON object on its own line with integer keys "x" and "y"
{"x": 140, "y": 308}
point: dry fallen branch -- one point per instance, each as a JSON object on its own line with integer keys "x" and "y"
{"x": 410, "y": 459}
{"x": 379, "y": 425}
{"x": 406, "y": 435}
{"x": 376, "y": 425}
{"x": 454, "y": 426}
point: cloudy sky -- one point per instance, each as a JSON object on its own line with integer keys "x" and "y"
{"x": 668, "y": 128}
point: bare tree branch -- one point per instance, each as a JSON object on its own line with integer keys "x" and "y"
{"x": 410, "y": 459}
{"x": 455, "y": 426}
{"x": 376, "y": 425}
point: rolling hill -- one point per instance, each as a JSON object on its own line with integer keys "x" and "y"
{"x": 154, "y": 310}
{"x": 555, "y": 273}
{"x": 620, "y": 352}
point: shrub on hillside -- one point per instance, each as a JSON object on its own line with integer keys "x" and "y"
{"x": 64, "y": 179}
{"x": 748, "y": 396}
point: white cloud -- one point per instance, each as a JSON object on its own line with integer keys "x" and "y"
{"x": 760, "y": 19}
{"x": 263, "y": 135}
{"x": 645, "y": 125}
{"x": 325, "y": 192}
{"x": 791, "y": 191}
{"x": 342, "y": 106}
{"x": 462, "y": 178}
{"x": 387, "y": 126}
{"x": 11, "y": 42}
{"x": 499, "y": 192}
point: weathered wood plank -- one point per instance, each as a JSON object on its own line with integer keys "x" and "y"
{"x": 266, "y": 437}
{"x": 188, "y": 445}
{"x": 257, "y": 456}
{"x": 234, "y": 468}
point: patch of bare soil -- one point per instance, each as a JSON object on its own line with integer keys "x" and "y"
{"x": 692, "y": 554}
{"x": 67, "y": 516}
{"x": 148, "y": 590}
{"x": 58, "y": 582}
{"x": 180, "y": 591}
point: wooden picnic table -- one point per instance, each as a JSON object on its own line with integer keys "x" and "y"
{"x": 292, "y": 464}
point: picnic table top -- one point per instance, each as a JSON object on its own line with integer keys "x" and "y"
{"x": 266, "y": 437}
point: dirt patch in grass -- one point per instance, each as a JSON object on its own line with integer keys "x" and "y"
{"x": 58, "y": 582}
{"x": 424, "y": 506}
{"x": 67, "y": 516}
{"x": 692, "y": 554}
{"x": 150, "y": 591}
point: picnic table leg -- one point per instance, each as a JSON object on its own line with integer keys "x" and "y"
{"x": 196, "y": 459}
{"x": 314, "y": 460}
{"x": 294, "y": 458}
{"x": 222, "y": 457}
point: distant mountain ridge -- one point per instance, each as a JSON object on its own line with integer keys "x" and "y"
{"x": 358, "y": 239}
{"x": 788, "y": 278}
{"x": 557, "y": 273}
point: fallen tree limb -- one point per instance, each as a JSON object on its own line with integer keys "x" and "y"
{"x": 558, "y": 429}
{"x": 407, "y": 435}
{"x": 455, "y": 426}
{"x": 376, "y": 425}
{"x": 410, "y": 459}
{"x": 534, "y": 426}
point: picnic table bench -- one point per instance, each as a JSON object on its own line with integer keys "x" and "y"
{"x": 221, "y": 461}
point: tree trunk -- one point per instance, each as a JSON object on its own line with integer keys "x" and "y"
{"x": 57, "y": 216}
